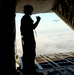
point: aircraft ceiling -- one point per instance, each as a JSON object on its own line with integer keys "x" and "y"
{"x": 40, "y": 6}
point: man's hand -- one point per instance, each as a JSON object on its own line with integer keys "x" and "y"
{"x": 38, "y": 18}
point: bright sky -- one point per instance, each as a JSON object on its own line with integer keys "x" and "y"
{"x": 53, "y": 34}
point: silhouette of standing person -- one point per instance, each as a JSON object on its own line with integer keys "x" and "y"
{"x": 28, "y": 40}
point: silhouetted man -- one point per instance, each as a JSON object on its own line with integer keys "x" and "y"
{"x": 28, "y": 40}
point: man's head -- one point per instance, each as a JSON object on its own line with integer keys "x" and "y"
{"x": 28, "y": 9}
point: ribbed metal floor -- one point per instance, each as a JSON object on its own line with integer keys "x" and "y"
{"x": 56, "y": 64}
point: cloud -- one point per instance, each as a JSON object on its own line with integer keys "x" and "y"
{"x": 58, "y": 42}
{"x": 53, "y": 42}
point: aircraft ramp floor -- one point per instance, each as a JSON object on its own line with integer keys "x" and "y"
{"x": 55, "y": 64}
